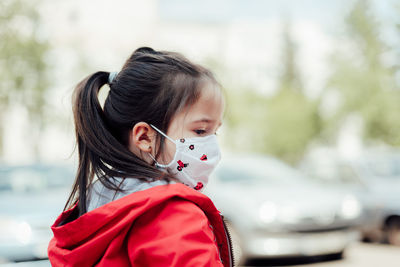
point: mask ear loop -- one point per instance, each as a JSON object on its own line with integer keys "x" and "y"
{"x": 163, "y": 134}
{"x": 153, "y": 158}
{"x": 166, "y": 136}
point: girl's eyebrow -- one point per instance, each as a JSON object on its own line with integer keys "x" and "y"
{"x": 206, "y": 120}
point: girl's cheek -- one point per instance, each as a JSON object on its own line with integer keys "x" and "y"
{"x": 169, "y": 152}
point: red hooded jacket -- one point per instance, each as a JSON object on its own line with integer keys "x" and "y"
{"x": 166, "y": 225}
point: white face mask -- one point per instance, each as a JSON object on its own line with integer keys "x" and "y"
{"x": 194, "y": 160}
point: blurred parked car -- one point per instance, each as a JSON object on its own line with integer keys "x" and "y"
{"x": 36, "y": 263}
{"x": 274, "y": 212}
{"x": 31, "y": 197}
{"x": 375, "y": 177}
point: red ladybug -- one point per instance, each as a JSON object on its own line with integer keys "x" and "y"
{"x": 181, "y": 165}
{"x": 191, "y": 147}
{"x": 199, "y": 186}
{"x": 204, "y": 157}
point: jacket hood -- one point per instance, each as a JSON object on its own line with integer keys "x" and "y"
{"x": 90, "y": 234}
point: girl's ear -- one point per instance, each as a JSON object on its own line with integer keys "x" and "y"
{"x": 142, "y": 137}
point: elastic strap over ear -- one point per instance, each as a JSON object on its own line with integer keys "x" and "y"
{"x": 163, "y": 134}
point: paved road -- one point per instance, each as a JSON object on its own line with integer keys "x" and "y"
{"x": 366, "y": 255}
{"x": 357, "y": 255}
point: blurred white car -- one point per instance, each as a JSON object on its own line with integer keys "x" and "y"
{"x": 375, "y": 177}
{"x": 274, "y": 212}
{"x": 31, "y": 197}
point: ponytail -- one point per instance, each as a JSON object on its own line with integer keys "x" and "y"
{"x": 100, "y": 153}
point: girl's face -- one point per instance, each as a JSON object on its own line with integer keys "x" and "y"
{"x": 202, "y": 118}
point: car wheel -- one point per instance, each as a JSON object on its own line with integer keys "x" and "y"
{"x": 236, "y": 245}
{"x": 393, "y": 232}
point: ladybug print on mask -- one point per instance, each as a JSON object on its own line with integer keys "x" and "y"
{"x": 194, "y": 159}
{"x": 199, "y": 186}
{"x": 181, "y": 165}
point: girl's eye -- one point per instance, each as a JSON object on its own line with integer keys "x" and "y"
{"x": 200, "y": 132}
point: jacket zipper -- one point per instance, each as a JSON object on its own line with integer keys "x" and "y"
{"x": 229, "y": 241}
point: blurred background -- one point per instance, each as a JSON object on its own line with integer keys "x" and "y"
{"x": 313, "y": 108}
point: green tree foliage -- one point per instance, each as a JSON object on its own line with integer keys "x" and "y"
{"x": 245, "y": 120}
{"x": 292, "y": 123}
{"x": 290, "y": 77}
{"x": 281, "y": 125}
{"x": 366, "y": 84}
{"x": 292, "y": 119}
{"x": 23, "y": 65}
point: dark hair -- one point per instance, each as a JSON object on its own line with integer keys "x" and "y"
{"x": 151, "y": 87}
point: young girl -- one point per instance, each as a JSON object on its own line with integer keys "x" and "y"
{"x": 143, "y": 160}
